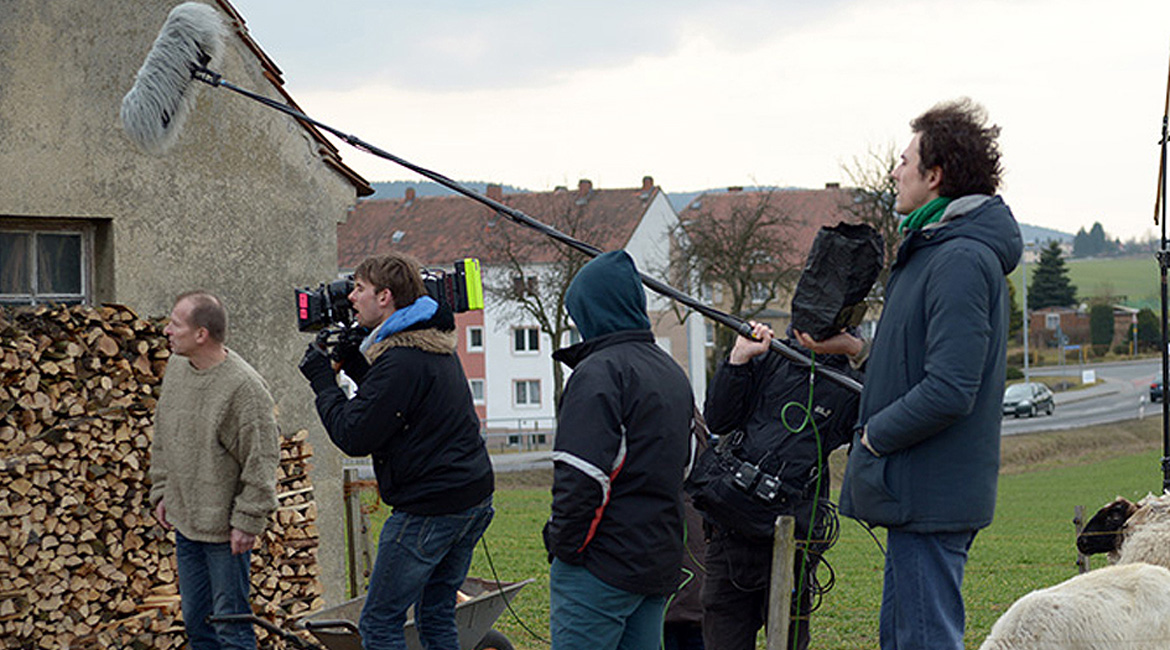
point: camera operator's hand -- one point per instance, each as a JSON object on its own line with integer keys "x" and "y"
{"x": 347, "y": 354}
{"x": 316, "y": 368}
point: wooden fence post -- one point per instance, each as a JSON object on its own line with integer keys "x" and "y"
{"x": 1079, "y": 524}
{"x": 780, "y": 589}
{"x": 357, "y": 546}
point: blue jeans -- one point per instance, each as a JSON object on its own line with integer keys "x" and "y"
{"x": 422, "y": 561}
{"x": 212, "y": 581}
{"x": 922, "y": 600}
{"x": 588, "y": 614}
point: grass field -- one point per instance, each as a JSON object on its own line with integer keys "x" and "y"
{"x": 1135, "y": 278}
{"x": 1030, "y": 545}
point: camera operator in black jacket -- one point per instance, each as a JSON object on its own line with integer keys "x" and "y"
{"x": 413, "y": 414}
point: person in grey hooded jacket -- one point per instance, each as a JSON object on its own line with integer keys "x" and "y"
{"x": 615, "y": 535}
{"x": 925, "y": 455}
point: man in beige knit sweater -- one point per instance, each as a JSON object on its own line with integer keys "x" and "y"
{"x": 213, "y": 468}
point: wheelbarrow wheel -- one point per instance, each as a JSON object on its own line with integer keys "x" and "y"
{"x": 494, "y": 640}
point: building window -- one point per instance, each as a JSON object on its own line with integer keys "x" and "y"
{"x": 526, "y": 392}
{"x": 522, "y": 286}
{"x": 709, "y": 334}
{"x": 476, "y": 390}
{"x": 711, "y": 293}
{"x": 475, "y": 339}
{"x": 526, "y": 340}
{"x": 572, "y": 337}
{"x": 45, "y": 263}
{"x": 760, "y": 292}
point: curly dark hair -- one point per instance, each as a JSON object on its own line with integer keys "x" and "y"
{"x": 955, "y": 137}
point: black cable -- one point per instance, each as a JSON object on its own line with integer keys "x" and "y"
{"x": 869, "y": 529}
{"x": 806, "y": 548}
{"x": 827, "y": 515}
{"x": 507, "y": 602}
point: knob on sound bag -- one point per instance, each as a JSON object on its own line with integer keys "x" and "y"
{"x": 841, "y": 268}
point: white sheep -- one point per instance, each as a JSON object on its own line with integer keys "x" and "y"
{"x": 1146, "y": 534}
{"x": 1118, "y": 607}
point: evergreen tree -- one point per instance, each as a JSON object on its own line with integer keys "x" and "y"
{"x": 1082, "y": 246}
{"x": 1050, "y": 284}
{"x": 1101, "y": 325}
{"x": 1148, "y": 333}
{"x": 1100, "y": 243}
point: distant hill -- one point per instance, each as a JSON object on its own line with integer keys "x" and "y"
{"x": 397, "y": 189}
{"x": 1043, "y": 235}
{"x": 678, "y": 200}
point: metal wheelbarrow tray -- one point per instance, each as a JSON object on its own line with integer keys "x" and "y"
{"x": 336, "y": 627}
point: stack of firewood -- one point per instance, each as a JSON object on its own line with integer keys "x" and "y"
{"x": 83, "y": 563}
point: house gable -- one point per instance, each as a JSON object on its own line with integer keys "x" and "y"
{"x": 244, "y": 205}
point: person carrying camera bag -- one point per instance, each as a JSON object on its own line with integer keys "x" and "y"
{"x": 772, "y": 459}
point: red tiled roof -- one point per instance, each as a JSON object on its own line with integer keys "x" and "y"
{"x": 807, "y": 210}
{"x": 329, "y": 153}
{"x": 440, "y": 230}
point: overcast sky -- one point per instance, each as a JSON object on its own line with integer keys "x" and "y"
{"x": 703, "y": 94}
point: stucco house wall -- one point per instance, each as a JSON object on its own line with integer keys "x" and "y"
{"x": 245, "y": 205}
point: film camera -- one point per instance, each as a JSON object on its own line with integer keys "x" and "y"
{"x": 327, "y": 309}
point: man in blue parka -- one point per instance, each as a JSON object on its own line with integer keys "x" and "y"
{"x": 925, "y": 455}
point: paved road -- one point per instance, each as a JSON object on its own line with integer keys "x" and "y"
{"x": 1121, "y": 394}
{"x": 522, "y": 461}
{"x": 512, "y": 462}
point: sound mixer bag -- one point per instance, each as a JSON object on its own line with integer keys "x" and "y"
{"x": 840, "y": 271}
{"x": 740, "y": 495}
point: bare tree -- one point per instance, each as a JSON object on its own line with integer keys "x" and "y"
{"x": 872, "y": 201}
{"x": 530, "y": 273}
{"x": 739, "y": 243}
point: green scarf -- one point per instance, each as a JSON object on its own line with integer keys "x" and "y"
{"x": 927, "y": 214}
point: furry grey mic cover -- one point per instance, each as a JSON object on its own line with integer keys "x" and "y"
{"x": 154, "y": 110}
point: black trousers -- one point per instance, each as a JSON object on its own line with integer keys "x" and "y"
{"x": 735, "y": 593}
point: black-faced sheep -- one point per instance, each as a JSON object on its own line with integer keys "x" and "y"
{"x": 1130, "y": 532}
{"x": 1122, "y": 606}
{"x": 1119, "y": 607}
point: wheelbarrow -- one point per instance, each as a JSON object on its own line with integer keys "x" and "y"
{"x": 336, "y": 627}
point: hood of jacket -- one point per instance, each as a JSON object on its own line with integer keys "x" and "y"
{"x": 431, "y": 340}
{"x": 606, "y": 296}
{"x": 986, "y": 219}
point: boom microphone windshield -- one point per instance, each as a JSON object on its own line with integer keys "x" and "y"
{"x": 152, "y": 115}
{"x": 154, "y": 110}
